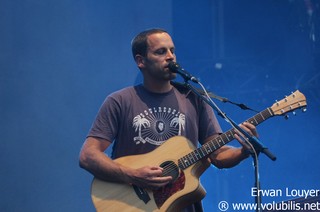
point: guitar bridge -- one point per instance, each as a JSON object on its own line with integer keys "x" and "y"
{"x": 142, "y": 194}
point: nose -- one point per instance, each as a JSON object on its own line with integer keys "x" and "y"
{"x": 170, "y": 55}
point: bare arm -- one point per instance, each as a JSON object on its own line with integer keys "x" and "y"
{"x": 93, "y": 159}
{"x": 228, "y": 156}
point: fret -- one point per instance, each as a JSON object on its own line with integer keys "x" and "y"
{"x": 191, "y": 157}
{"x": 212, "y": 144}
{"x": 181, "y": 164}
{"x": 207, "y": 148}
{"x": 204, "y": 148}
{"x": 196, "y": 153}
{"x": 185, "y": 161}
{"x": 270, "y": 112}
{"x": 255, "y": 120}
{"x": 194, "y": 156}
{"x": 202, "y": 154}
{"x": 265, "y": 114}
{"x": 223, "y": 137}
{"x": 260, "y": 118}
{"x": 188, "y": 160}
{"x": 262, "y": 115}
{"x": 230, "y": 135}
{"x": 219, "y": 141}
{"x": 251, "y": 121}
{"x": 211, "y": 150}
{"x": 223, "y": 141}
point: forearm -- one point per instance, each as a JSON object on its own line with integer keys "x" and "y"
{"x": 102, "y": 167}
{"x": 227, "y": 156}
{"x": 93, "y": 159}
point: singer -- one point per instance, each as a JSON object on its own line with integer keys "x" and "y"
{"x": 148, "y": 121}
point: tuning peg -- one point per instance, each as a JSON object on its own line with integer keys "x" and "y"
{"x": 286, "y": 116}
{"x": 294, "y": 113}
{"x": 304, "y": 109}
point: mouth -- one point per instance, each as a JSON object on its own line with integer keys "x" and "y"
{"x": 166, "y": 68}
{"x": 168, "y": 64}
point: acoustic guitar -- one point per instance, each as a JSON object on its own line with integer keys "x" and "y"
{"x": 183, "y": 161}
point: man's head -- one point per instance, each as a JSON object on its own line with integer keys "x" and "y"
{"x": 153, "y": 50}
{"x": 139, "y": 44}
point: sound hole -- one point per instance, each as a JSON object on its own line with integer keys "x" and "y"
{"x": 162, "y": 194}
{"x": 170, "y": 169}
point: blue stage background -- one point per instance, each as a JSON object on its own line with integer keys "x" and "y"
{"x": 59, "y": 60}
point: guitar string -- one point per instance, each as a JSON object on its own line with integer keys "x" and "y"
{"x": 171, "y": 167}
{"x": 213, "y": 143}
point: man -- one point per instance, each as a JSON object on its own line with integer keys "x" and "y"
{"x": 140, "y": 118}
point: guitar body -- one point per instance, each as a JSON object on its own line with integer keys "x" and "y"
{"x": 186, "y": 189}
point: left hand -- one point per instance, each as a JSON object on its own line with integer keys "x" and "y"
{"x": 249, "y": 128}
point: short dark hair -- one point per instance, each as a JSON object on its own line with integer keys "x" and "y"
{"x": 139, "y": 44}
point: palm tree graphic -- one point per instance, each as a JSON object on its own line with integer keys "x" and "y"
{"x": 180, "y": 120}
{"x": 138, "y": 122}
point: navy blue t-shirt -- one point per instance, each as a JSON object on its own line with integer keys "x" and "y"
{"x": 138, "y": 121}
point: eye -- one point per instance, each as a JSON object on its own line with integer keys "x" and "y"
{"x": 164, "y": 51}
{"x": 161, "y": 51}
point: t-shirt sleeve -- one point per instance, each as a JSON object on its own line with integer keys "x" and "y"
{"x": 106, "y": 121}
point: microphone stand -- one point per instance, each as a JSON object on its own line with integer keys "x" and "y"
{"x": 253, "y": 141}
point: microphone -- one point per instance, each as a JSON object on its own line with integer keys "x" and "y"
{"x": 176, "y": 68}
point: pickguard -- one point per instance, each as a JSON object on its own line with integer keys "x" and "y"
{"x": 162, "y": 194}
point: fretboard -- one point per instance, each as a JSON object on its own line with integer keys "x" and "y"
{"x": 219, "y": 141}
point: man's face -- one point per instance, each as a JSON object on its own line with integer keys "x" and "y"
{"x": 160, "y": 52}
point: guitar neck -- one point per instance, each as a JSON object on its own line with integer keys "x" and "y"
{"x": 219, "y": 141}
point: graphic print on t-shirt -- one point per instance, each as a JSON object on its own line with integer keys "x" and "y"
{"x": 156, "y": 125}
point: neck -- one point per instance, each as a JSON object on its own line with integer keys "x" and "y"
{"x": 158, "y": 87}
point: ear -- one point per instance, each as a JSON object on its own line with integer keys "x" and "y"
{"x": 140, "y": 61}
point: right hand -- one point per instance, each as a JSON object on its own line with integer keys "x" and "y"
{"x": 149, "y": 177}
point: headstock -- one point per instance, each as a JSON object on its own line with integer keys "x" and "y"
{"x": 289, "y": 103}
